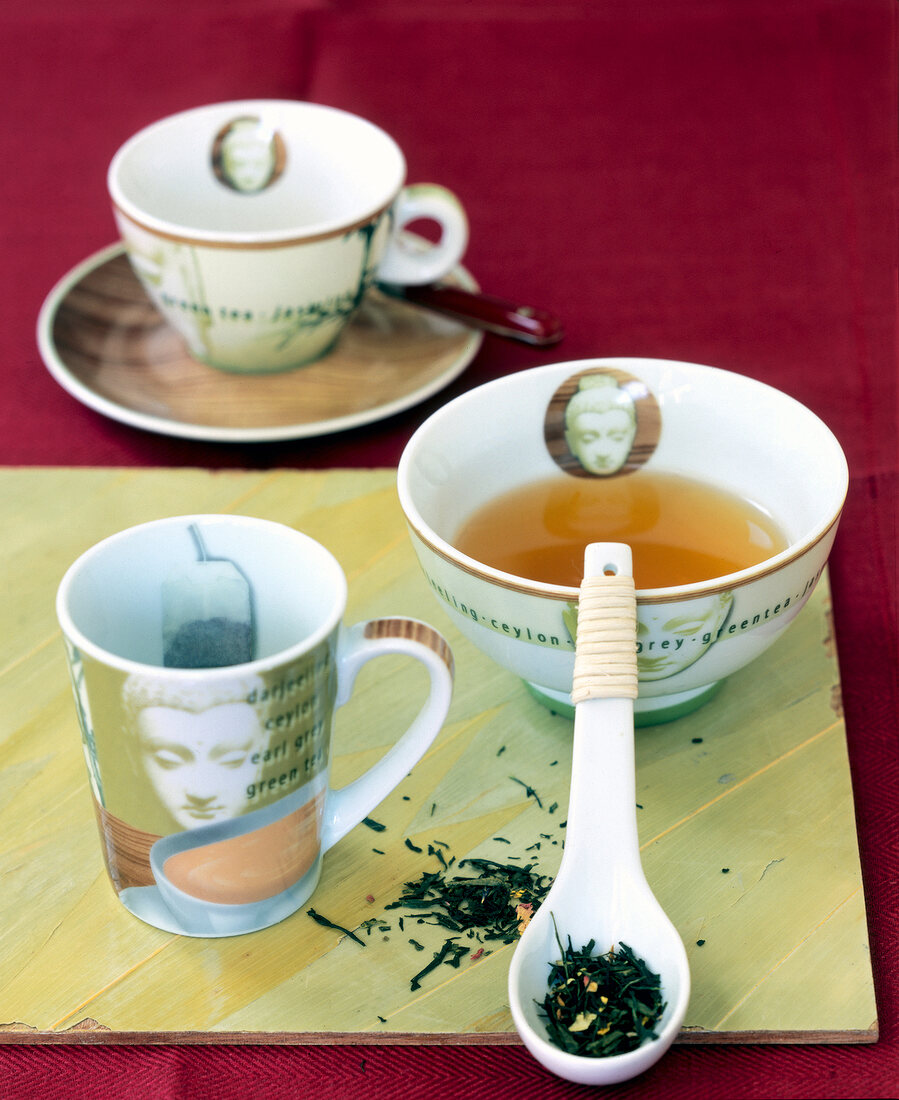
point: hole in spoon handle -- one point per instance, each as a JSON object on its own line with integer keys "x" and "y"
{"x": 608, "y": 559}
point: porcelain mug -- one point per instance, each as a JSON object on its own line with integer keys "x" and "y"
{"x": 256, "y": 227}
{"x": 210, "y": 783}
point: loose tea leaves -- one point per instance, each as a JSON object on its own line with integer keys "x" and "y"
{"x": 599, "y": 1005}
{"x": 495, "y": 903}
{"x": 325, "y": 923}
{"x": 529, "y": 791}
{"x": 451, "y": 953}
{"x": 492, "y": 904}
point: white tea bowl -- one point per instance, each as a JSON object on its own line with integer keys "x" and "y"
{"x": 700, "y": 422}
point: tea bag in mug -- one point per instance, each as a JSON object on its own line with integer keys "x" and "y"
{"x": 207, "y": 612}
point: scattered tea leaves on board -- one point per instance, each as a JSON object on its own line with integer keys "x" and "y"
{"x": 319, "y": 919}
{"x": 493, "y": 904}
{"x": 486, "y": 903}
{"x": 529, "y": 790}
{"x": 450, "y": 953}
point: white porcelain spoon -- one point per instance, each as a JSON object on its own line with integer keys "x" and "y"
{"x": 600, "y": 892}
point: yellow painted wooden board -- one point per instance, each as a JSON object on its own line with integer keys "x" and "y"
{"x": 756, "y": 783}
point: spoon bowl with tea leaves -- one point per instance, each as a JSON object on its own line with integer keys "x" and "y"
{"x": 599, "y": 982}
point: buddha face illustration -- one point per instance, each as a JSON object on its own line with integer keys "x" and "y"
{"x": 201, "y": 749}
{"x": 670, "y": 638}
{"x": 600, "y": 424}
{"x": 246, "y": 156}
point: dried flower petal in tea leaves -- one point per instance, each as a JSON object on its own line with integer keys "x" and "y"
{"x": 599, "y": 1005}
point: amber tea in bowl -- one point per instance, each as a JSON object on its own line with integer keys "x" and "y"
{"x": 728, "y": 491}
{"x": 680, "y": 530}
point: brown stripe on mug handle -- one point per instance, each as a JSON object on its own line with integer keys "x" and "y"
{"x": 414, "y": 631}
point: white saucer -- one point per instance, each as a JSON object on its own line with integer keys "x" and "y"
{"x": 106, "y": 344}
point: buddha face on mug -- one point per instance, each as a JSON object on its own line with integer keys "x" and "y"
{"x": 200, "y": 746}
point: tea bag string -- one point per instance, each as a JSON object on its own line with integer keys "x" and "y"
{"x": 605, "y": 663}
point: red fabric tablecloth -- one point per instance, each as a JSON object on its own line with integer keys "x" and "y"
{"x": 706, "y": 180}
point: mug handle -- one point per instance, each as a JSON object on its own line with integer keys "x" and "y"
{"x": 347, "y": 806}
{"x": 409, "y": 266}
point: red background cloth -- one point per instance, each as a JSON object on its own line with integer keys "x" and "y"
{"x": 707, "y": 180}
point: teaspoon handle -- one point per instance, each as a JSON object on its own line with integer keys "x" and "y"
{"x": 602, "y": 802}
{"x": 512, "y": 320}
{"x": 602, "y": 797}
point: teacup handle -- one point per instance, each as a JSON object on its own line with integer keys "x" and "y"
{"x": 347, "y": 806}
{"x": 410, "y": 266}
